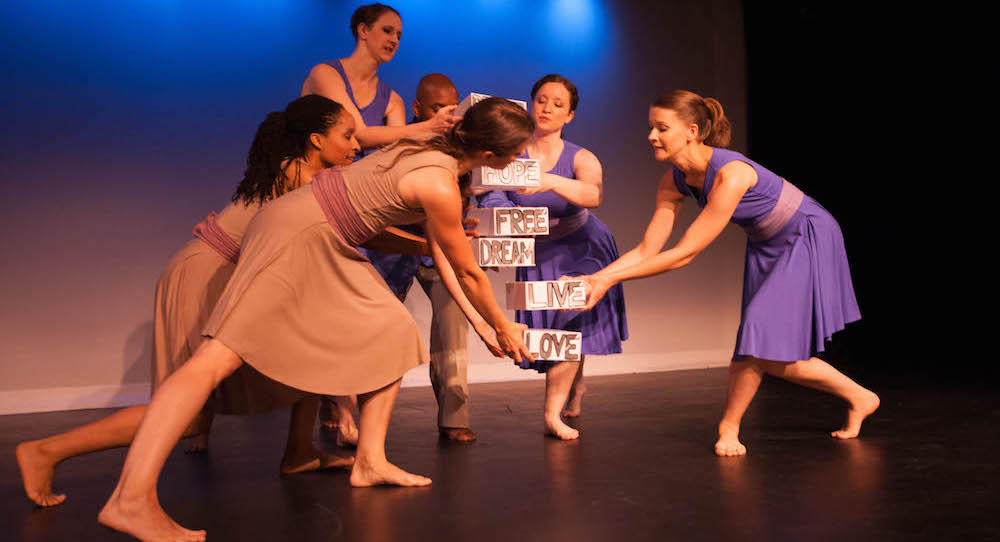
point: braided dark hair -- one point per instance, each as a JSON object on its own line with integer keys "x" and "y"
{"x": 284, "y": 137}
{"x": 494, "y": 124}
{"x": 368, "y": 15}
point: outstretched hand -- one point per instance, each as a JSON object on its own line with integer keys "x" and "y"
{"x": 511, "y": 340}
{"x": 489, "y": 338}
{"x": 595, "y": 286}
{"x": 443, "y": 120}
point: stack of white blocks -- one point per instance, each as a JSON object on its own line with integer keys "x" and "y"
{"x": 507, "y": 240}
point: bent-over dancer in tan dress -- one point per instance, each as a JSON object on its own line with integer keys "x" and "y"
{"x": 306, "y": 309}
{"x": 290, "y": 146}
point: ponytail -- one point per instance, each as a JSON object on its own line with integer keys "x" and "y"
{"x": 706, "y": 113}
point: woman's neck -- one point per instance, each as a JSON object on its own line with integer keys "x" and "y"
{"x": 300, "y": 171}
{"x": 693, "y": 160}
{"x": 545, "y": 143}
{"x": 361, "y": 65}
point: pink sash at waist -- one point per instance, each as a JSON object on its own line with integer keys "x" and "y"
{"x": 214, "y": 236}
{"x": 563, "y": 226}
{"x": 788, "y": 202}
{"x": 328, "y": 187}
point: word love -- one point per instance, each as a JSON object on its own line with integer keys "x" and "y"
{"x": 504, "y": 252}
{"x": 474, "y": 98}
{"x": 546, "y": 294}
{"x": 554, "y": 344}
{"x": 511, "y": 221}
{"x": 520, "y": 173}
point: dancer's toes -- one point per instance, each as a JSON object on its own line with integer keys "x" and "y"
{"x": 860, "y": 408}
{"x": 556, "y": 428}
{"x": 369, "y": 474}
{"x": 145, "y": 520}
{"x": 37, "y": 471}
{"x": 729, "y": 441}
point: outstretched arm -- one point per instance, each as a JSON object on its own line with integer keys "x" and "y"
{"x": 436, "y": 191}
{"x": 325, "y": 81}
{"x": 731, "y": 183}
{"x": 450, "y": 281}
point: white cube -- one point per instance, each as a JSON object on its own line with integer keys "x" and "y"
{"x": 504, "y": 251}
{"x": 521, "y": 173}
{"x": 534, "y": 295}
{"x": 511, "y": 221}
{"x": 474, "y": 98}
{"x": 554, "y": 344}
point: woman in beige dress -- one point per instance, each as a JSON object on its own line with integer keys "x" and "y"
{"x": 290, "y": 146}
{"x": 306, "y": 309}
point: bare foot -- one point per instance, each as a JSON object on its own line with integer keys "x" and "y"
{"x": 37, "y": 470}
{"x": 575, "y": 403}
{"x": 729, "y": 441}
{"x": 366, "y": 474}
{"x": 315, "y": 460}
{"x": 556, "y": 428}
{"x": 347, "y": 434}
{"x": 860, "y": 409}
{"x": 197, "y": 444}
{"x": 457, "y": 434}
{"x": 145, "y": 520}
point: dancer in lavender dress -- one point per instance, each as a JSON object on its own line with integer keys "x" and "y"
{"x": 797, "y": 288}
{"x": 352, "y": 81}
{"x": 579, "y": 244}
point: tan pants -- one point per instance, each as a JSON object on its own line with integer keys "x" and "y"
{"x": 449, "y": 351}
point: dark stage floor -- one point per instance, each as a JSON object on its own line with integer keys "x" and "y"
{"x": 925, "y": 469}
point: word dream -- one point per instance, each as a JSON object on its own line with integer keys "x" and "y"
{"x": 504, "y": 251}
{"x": 511, "y": 221}
{"x": 474, "y": 98}
{"x": 535, "y": 295}
{"x": 554, "y": 344}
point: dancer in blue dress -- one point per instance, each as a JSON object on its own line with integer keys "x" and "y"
{"x": 797, "y": 289}
{"x": 579, "y": 244}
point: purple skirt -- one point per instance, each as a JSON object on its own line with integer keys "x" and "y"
{"x": 583, "y": 252}
{"x": 797, "y": 289}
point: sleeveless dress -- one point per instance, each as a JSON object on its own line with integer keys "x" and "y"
{"x": 398, "y": 270}
{"x": 797, "y": 289}
{"x": 304, "y": 306}
{"x": 186, "y": 293}
{"x": 579, "y": 244}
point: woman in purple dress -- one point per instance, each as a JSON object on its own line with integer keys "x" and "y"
{"x": 579, "y": 244}
{"x": 797, "y": 289}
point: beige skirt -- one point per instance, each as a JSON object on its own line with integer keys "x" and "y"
{"x": 186, "y": 293}
{"x": 308, "y": 310}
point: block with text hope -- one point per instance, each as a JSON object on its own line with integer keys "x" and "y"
{"x": 511, "y": 221}
{"x": 521, "y": 173}
{"x": 474, "y": 98}
{"x": 504, "y": 251}
{"x": 536, "y": 295}
{"x": 554, "y": 344}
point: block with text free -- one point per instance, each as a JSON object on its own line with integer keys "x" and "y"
{"x": 534, "y": 295}
{"x": 473, "y": 98}
{"x": 511, "y": 221}
{"x": 504, "y": 251}
{"x": 521, "y": 173}
{"x": 554, "y": 344}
